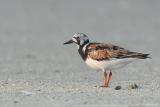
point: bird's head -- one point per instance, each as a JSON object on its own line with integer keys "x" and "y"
{"x": 79, "y": 38}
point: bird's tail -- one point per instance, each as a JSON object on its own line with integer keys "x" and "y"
{"x": 141, "y": 56}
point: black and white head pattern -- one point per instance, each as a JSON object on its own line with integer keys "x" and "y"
{"x": 80, "y": 39}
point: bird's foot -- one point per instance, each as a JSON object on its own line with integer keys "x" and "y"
{"x": 104, "y": 86}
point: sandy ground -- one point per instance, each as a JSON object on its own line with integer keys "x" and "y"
{"x": 37, "y": 70}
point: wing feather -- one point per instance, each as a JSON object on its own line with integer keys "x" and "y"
{"x": 100, "y": 51}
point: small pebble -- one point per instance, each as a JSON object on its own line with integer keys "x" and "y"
{"x": 133, "y": 86}
{"x": 118, "y": 87}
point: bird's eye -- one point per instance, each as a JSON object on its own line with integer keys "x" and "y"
{"x": 77, "y": 37}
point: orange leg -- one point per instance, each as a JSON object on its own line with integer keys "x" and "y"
{"x": 107, "y": 78}
{"x": 110, "y": 77}
{"x": 105, "y": 83}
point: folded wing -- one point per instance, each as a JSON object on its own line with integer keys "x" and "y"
{"x": 100, "y": 51}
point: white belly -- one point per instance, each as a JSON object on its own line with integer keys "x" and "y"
{"x": 110, "y": 64}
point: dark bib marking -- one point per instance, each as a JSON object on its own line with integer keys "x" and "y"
{"x": 80, "y": 50}
{"x": 82, "y": 54}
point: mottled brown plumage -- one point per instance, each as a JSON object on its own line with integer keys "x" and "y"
{"x": 104, "y": 57}
{"x": 100, "y": 51}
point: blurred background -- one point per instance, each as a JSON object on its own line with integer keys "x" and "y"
{"x": 38, "y": 28}
{"x": 32, "y": 33}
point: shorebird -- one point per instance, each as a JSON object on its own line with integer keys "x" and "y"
{"x": 104, "y": 57}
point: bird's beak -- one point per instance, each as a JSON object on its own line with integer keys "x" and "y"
{"x": 68, "y": 42}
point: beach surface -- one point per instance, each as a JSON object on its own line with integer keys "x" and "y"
{"x": 36, "y": 69}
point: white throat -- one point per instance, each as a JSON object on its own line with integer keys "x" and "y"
{"x": 84, "y": 47}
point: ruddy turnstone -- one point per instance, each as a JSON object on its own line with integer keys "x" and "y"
{"x": 104, "y": 57}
